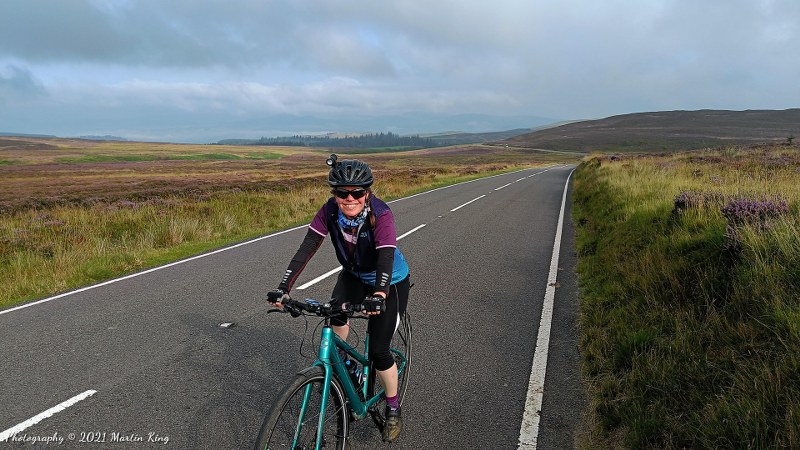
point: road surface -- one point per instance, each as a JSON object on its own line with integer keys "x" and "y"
{"x": 144, "y": 363}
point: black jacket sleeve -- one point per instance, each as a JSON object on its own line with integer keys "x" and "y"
{"x": 308, "y": 247}
{"x": 383, "y": 269}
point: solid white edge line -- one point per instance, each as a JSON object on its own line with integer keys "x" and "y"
{"x": 144, "y": 272}
{"x": 175, "y": 263}
{"x": 9, "y": 433}
{"x": 331, "y": 272}
{"x": 465, "y": 204}
{"x": 529, "y": 428}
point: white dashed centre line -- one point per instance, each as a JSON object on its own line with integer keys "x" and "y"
{"x": 465, "y": 204}
{"x": 9, "y": 433}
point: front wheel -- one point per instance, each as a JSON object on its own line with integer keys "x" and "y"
{"x": 293, "y": 421}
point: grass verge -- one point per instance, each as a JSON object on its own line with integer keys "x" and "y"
{"x": 690, "y": 318}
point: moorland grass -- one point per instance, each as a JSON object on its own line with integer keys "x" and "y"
{"x": 165, "y": 157}
{"x": 689, "y": 271}
{"x": 17, "y": 150}
{"x": 46, "y": 250}
{"x": 67, "y": 246}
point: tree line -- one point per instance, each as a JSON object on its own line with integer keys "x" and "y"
{"x": 376, "y": 140}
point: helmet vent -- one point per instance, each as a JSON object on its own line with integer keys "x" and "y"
{"x": 349, "y": 172}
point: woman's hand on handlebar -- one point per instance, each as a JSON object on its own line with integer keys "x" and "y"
{"x": 374, "y": 304}
{"x": 276, "y": 297}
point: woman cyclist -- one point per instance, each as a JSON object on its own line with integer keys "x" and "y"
{"x": 375, "y": 272}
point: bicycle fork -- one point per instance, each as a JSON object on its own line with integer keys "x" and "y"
{"x": 325, "y": 356}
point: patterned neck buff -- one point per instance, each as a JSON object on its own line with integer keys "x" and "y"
{"x": 344, "y": 222}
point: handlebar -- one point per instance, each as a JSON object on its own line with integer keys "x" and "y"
{"x": 297, "y": 308}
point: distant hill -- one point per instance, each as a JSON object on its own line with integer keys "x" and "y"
{"x": 458, "y": 138}
{"x": 6, "y": 133}
{"x": 666, "y": 131}
{"x": 338, "y": 140}
{"x": 351, "y": 140}
{"x": 105, "y": 137}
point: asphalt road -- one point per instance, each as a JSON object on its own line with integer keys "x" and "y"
{"x": 156, "y": 370}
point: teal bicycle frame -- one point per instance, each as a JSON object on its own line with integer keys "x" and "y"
{"x": 294, "y": 425}
{"x": 330, "y": 361}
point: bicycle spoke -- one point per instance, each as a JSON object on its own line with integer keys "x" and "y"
{"x": 287, "y": 427}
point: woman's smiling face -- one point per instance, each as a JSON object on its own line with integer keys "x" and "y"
{"x": 350, "y": 207}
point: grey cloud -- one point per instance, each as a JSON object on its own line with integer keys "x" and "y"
{"x": 568, "y": 59}
{"x": 19, "y": 84}
{"x": 139, "y": 33}
{"x": 340, "y": 52}
{"x": 338, "y": 37}
{"x": 39, "y": 30}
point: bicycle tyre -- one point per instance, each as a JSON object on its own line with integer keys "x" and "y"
{"x": 402, "y": 341}
{"x": 279, "y": 426}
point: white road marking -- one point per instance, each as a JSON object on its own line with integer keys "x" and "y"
{"x": 319, "y": 278}
{"x": 538, "y": 173}
{"x": 465, "y": 204}
{"x": 457, "y": 184}
{"x": 529, "y": 429}
{"x": 523, "y": 178}
{"x": 9, "y": 433}
{"x": 536, "y": 385}
{"x": 409, "y": 232}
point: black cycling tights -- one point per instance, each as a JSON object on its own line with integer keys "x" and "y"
{"x": 382, "y": 326}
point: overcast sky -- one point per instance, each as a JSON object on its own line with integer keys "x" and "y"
{"x": 201, "y": 70}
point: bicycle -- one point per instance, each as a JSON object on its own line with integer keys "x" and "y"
{"x": 315, "y": 409}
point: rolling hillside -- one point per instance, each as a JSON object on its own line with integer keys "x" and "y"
{"x": 666, "y": 131}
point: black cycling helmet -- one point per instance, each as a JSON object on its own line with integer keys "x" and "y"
{"x": 349, "y": 172}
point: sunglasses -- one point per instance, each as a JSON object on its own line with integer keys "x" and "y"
{"x": 343, "y": 193}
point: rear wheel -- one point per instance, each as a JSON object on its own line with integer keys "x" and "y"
{"x": 402, "y": 342}
{"x": 290, "y": 426}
